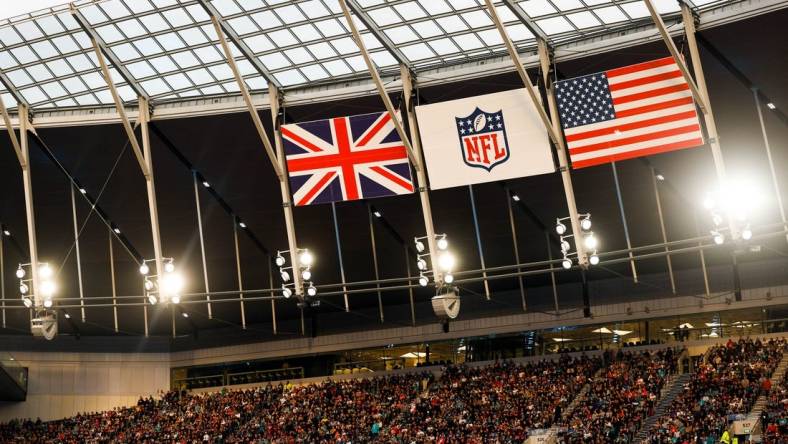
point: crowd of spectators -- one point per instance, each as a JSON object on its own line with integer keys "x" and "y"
{"x": 722, "y": 389}
{"x": 620, "y": 399}
{"x": 774, "y": 419}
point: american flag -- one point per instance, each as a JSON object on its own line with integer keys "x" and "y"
{"x": 627, "y": 112}
{"x": 345, "y": 158}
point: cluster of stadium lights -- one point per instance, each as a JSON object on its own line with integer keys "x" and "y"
{"x": 166, "y": 288}
{"x": 446, "y": 260}
{"x": 590, "y": 241}
{"x": 737, "y": 202}
{"x": 305, "y": 260}
{"x": 47, "y": 287}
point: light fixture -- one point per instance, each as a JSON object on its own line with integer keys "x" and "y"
{"x": 585, "y": 223}
{"x": 746, "y": 234}
{"x": 48, "y": 288}
{"x": 560, "y": 228}
{"x": 419, "y": 246}
{"x": 515, "y": 198}
{"x": 47, "y": 303}
{"x": 242, "y": 224}
{"x": 446, "y": 261}
{"x": 185, "y": 315}
{"x": 448, "y": 278}
{"x": 171, "y": 284}
{"x": 771, "y": 105}
{"x": 377, "y": 213}
{"x": 423, "y": 281}
{"x": 566, "y": 263}
{"x": 45, "y": 271}
{"x": 594, "y": 259}
{"x": 83, "y": 191}
{"x": 285, "y": 276}
{"x": 68, "y": 316}
{"x": 152, "y": 299}
{"x": 148, "y": 284}
{"x": 28, "y": 302}
{"x": 660, "y": 177}
{"x": 717, "y": 219}
{"x": 709, "y": 203}
{"x": 169, "y": 267}
{"x": 116, "y": 230}
{"x": 590, "y": 241}
{"x": 421, "y": 264}
{"x": 311, "y": 290}
{"x": 565, "y": 246}
{"x": 6, "y": 232}
{"x": 306, "y": 258}
{"x": 286, "y": 292}
{"x": 23, "y": 288}
{"x": 144, "y": 269}
{"x": 20, "y": 272}
{"x": 443, "y": 243}
{"x": 719, "y": 238}
{"x": 306, "y": 275}
{"x": 176, "y": 299}
{"x": 206, "y": 184}
{"x": 279, "y": 261}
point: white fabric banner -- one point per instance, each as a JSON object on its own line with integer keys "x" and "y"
{"x": 482, "y": 139}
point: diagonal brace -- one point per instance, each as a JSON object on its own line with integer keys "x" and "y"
{"x": 12, "y": 134}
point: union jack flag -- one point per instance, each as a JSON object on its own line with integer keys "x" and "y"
{"x": 345, "y": 158}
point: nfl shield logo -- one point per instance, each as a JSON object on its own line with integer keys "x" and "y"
{"x": 483, "y": 139}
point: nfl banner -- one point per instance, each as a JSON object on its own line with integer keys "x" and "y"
{"x": 345, "y": 158}
{"x": 628, "y": 112}
{"x": 482, "y": 139}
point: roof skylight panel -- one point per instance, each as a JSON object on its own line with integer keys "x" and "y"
{"x": 330, "y": 27}
{"x": 9, "y": 36}
{"x": 536, "y": 8}
{"x": 314, "y": 72}
{"x": 583, "y": 19}
{"x": 19, "y": 77}
{"x": 28, "y": 30}
{"x": 401, "y": 34}
{"x": 50, "y": 25}
{"x": 563, "y": 5}
{"x": 290, "y": 77}
{"x": 315, "y": 9}
{"x": 555, "y": 25}
{"x": 33, "y": 95}
{"x": 610, "y": 14}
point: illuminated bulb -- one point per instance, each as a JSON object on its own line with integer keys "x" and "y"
{"x": 448, "y": 278}
{"x": 719, "y": 238}
{"x": 83, "y": 191}
{"x": 144, "y": 269}
{"x": 47, "y": 303}
{"x": 68, "y": 316}
{"x": 20, "y": 272}
{"x": 515, "y": 198}
{"x": 708, "y": 203}
{"x": 169, "y": 267}
{"x": 176, "y": 299}
{"x": 45, "y": 271}
{"x": 717, "y": 219}
{"x": 565, "y": 246}
{"x": 285, "y": 276}
{"x": 660, "y": 177}
{"x": 152, "y": 299}
{"x": 746, "y": 234}
{"x": 566, "y": 263}
{"x": 116, "y": 230}
{"x": 171, "y": 284}
{"x": 6, "y": 232}
{"x": 185, "y": 315}
{"x": 28, "y": 302}
{"x": 306, "y": 275}
{"x": 421, "y": 264}
{"x": 148, "y": 285}
{"x": 206, "y": 184}
{"x": 419, "y": 246}
{"x": 23, "y": 288}
{"x": 377, "y": 213}
{"x": 443, "y": 243}
{"x": 771, "y": 105}
{"x": 306, "y": 259}
{"x": 280, "y": 260}
{"x": 560, "y": 228}
{"x": 286, "y": 292}
{"x": 311, "y": 291}
{"x": 590, "y": 242}
{"x": 585, "y": 223}
{"x": 48, "y": 288}
{"x": 594, "y": 259}
{"x": 446, "y": 261}
{"x": 423, "y": 281}
{"x": 242, "y": 224}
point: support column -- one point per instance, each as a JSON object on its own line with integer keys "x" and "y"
{"x": 284, "y": 186}
{"x": 513, "y": 227}
{"x": 238, "y": 270}
{"x": 79, "y": 257}
{"x": 775, "y": 180}
{"x": 273, "y": 300}
{"x": 144, "y": 118}
{"x": 375, "y": 262}
{"x": 27, "y": 181}
{"x": 624, "y": 222}
{"x": 198, "y": 206}
{"x": 662, "y": 229}
{"x": 339, "y": 255}
{"x": 479, "y": 242}
{"x": 112, "y": 281}
{"x": 410, "y": 289}
{"x": 2, "y": 270}
{"x": 552, "y": 273}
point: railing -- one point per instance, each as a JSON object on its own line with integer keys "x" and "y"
{"x": 373, "y": 365}
{"x": 250, "y": 377}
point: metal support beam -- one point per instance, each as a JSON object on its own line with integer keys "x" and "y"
{"x": 153, "y": 208}
{"x": 526, "y": 20}
{"x": 11, "y": 89}
{"x": 552, "y": 273}
{"x": 239, "y": 43}
{"x": 410, "y": 288}
{"x": 378, "y": 33}
{"x": 79, "y": 256}
{"x": 284, "y": 187}
{"x": 554, "y": 134}
{"x": 198, "y": 206}
{"x": 478, "y": 234}
{"x": 271, "y": 285}
{"x": 2, "y": 270}
{"x": 700, "y": 97}
{"x": 408, "y": 86}
{"x": 775, "y": 180}
{"x": 27, "y": 182}
{"x": 11, "y": 133}
{"x": 339, "y": 254}
{"x": 373, "y": 71}
{"x": 624, "y": 221}
{"x": 563, "y": 156}
{"x": 116, "y": 63}
{"x": 112, "y": 281}
{"x": 662, "y": 228}
{"x": 513, "y": 227}
{"x": 258, "y": 124}
{"x": 375, "y": 262}
{"x": 238, "y": 270}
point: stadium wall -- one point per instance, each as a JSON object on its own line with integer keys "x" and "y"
{"x": 65, "y": 384}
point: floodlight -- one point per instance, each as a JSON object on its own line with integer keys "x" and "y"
{"x": 171, "y": 284}
{"x": 279, "y": 261}
{"x": 590, "y": 241}
{"x": 47, "y": 303}
{"x": 285, "y": 276}
{"x": 152, "y": 299}
{"x": 719, "y": 238}
{"x": 560, "y": 228}
{"x": 311, "y": 290}
{"x": 242, "y": 224}
{"x": 446, "y": 261}
{"x": 148, "y": 284}
{"x": 306, "y": 258}
{"x": 48, "y": 288}
{"x": 286, "y": 292}
{"x": 6, "y": 232}
{"x": 45, "y": 271}
{"x": 169, "y": 267}
{"x": 306, "y": 275}
{"x": 116, "y": 230}
{"x": 594, "y": 259}
{"x": 206, "y": 184}
{"x": 746, "y": 234}
{"x": 515, "y": 198}
{"x": 23, "y": 288}
{"x": 443, "y": 243}
{"x": 176, "y": 299}
{"x": 28, "y": 302}
{"x": 771, "y": 105}
{"x": 185, "y": 315}
{"x": 421, "y": 264}
{"x": 423, "y": 281}
{"x": 377, "y": 213}
{"x": 585, "y": 223}
{"x": 709, "y": 203}
{"x": 144, "y": 269}
{"x": 448, "y": 278}
{"x": 68, "y": 316}
{"x": 660, "y": 177}
{"x": 565, "y": 246}
{"x": 566, "y": 263}
{"x": 20, "y": 272}
{"x": 419, "y": 246}
{"x": 83, "y": 191}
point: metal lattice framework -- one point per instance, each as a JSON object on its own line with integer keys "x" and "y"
{"x": 168, "y": 51}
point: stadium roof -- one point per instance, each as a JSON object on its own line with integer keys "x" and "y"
{"x": 167, "y": 50}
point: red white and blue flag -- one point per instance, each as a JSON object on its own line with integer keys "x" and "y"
{"x": 346, "y": 158}
{"x": 627, "y": 112}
